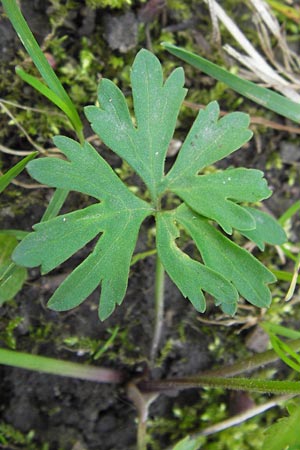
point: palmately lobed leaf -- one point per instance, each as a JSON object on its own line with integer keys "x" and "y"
{"x": 190, "y": 276}
{"x": 108, "y": 265}
{"x": 267, "y": 229}
{"x": 85, "y": 171}
{"x": 225, "y": 270}
{"x": 216, "y": 195}
{"x": 117, "y": 218}
{"x": 55, "y": 240}
{"x": 156, "y": 106}
{"x": 248, "y": 275}
{"x": 209, "y": 140}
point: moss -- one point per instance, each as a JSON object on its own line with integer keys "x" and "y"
{"x": 113, "y": 4}
{"x": 10, "y": 437}
{"x": 8, "y": 335}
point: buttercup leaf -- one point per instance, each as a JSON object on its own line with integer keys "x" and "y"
{"x": 210, "y": 140}
{"x": 118, "y": 217}
{"x": 225, "y": 270}
{"x": 248, "y": 275}
{"x": 189, "y": 275}
{"x": 214, "y": 196}
{"x": 156, "y": 107}
{"x": 267, "y": 229}
{"x": 106, "y": 265}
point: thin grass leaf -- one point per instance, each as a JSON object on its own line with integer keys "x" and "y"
{"x": 14, "y": 171}
{"x": 46, "y": 92}
{"x": 283, "y": 350}
{"x": 20, "y": 25}
{"x": 289, "y": 213}
{"x": 283, "y": 275}
{"x": 280, "y": 330}
{"x": 262, "y": 96}
{"x": 55, "y": 204}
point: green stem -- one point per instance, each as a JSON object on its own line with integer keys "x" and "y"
{"x": 238, "y": 418}
{"x": 159, "y": 307}
{"x": 59, "y": 367}
{"x": 239, "y": 384}
{"x": 251, "y": 363}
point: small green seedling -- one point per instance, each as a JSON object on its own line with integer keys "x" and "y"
{"x": 225, "y": 270}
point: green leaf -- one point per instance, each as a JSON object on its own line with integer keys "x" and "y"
{"x": 48, "y": 93}
{"x": 12, "y": 277}
{"x": 267, "y": 229}
{"x": 283, "y": 350}
{"x": 18, "y": 234}
{"x": 20, "y": 25}
{"x": 285, "y": 276}
{"x": 187, "y": 444}
{"x": 156, "y": 107}
{"x": 265, "y": 97}
{"x": 289, "y": 213}
{"x": 284, "y": 434}
{"x": 118, "y": 217}
{"x": 214, "y": 195}
{"x": 189, "y": 275}
{"x": 14, "y": 171}
{"x": 210, "y": 140}
{"x": 234, "y": 263}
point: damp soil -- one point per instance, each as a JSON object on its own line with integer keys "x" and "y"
{"x": 67, "y": 414}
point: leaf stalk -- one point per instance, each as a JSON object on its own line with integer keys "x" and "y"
{"x": 159, "y": 308}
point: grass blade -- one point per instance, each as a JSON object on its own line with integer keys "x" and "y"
{"x": 20, "y": 25}
{"x": 265, "y": 97}
{"x": 59, "y": 367}
{"x": 14, "y": 171}
{"x": 55, "y": 204}
{"x": 289, "y": 213}
{"x": 282, "y": 275}
{"x": 46, "y": 92}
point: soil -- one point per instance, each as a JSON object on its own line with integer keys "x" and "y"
{"x": 66, "y": 414}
